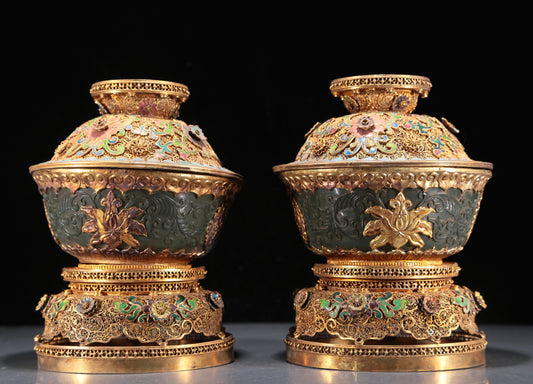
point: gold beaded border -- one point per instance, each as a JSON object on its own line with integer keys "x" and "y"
{"x": 386, "y": 272}
{"x": 96, "y": 352}
{"x": 127, "y": 274}
{"x": 464, "y": 344}
{"x": 134, "y": 359}
{"x": 140, "y": 85}
{"x": 421, "y": 84}
{"x": 384, "y": 284}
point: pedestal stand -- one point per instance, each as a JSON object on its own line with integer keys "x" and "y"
{"x": 386, "y": 316}
{"x": 132, "y": 318}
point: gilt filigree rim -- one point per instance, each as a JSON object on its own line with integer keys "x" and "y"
{"x": 420, "y": 84}
{"x": 465, "y": 343}
{"x": 346, "y": 255}
{"x": 463, "y": 351}
{"x": 134, "y": 359}
{"x": 127, "y": 274}
{"x": 387, "y": 285}
{"x": 402, "y": 271}
{"x": 141, "y": 85}
{"x": 54, "y": 348}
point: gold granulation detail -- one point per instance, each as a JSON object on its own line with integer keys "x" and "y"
{"x": 92, "y": 352}
{"x": 392, "y": 285}
{"x": 386, "y": 271}
{"x": 466, "y": 345}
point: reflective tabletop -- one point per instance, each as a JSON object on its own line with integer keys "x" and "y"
{"x": 260, "y": 358}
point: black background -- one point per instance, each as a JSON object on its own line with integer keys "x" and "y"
{"x": 259, "y": 78}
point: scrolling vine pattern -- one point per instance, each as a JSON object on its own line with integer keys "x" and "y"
{"x": 338, "y": 217}
{"x": 380, "y": 135}
{"x": 158, "y": 220}
{"x": 87, "y": 319}
{"x": 361, "y": 316}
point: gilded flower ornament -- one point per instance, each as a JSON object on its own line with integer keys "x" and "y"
{"x": 216, "y": 299}
{"x": 355, "y": 303}
{"x": 431, "y": 304}
{"x": 112, "y": 227}
{"x": 159, "y": 309}
{"x": 86, "y": 306}
{"x": 399, "y": 225}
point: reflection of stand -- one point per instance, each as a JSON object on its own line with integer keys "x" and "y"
{"x": 386, "y": 315}
{"x": 132, "y": 318}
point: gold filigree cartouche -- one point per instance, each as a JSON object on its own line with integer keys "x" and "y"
{"x": 135, "y": 195}
{"x": 385, "y": 195}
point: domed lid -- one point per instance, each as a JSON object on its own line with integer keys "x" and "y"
{"x": 380, "y": 129}
{"x": 138, "y": 129}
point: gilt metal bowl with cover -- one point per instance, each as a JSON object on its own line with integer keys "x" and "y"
{"x": 385, "y": 195}
{"x": 135, "y": 195}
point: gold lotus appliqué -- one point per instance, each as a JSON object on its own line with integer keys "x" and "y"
{"x": 399, "y": 225}
{"x": 111, "y": 226}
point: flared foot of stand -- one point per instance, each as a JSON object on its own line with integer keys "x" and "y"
{"x": 465, "y": 351}
{"x": 386, "y": 316}
{"x": 62, "y": 357}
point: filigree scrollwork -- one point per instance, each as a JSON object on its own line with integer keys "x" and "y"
{"x": 361, "y": 316}
{"x": 131, "y": 137}
{"x": 393, "y": 135}
{"x": 86, "y": 319}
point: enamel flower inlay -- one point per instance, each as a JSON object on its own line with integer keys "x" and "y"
{"x": 160, "y": 309}
{"x": 431, "y": 304}
{"x": 86, "y": 306}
